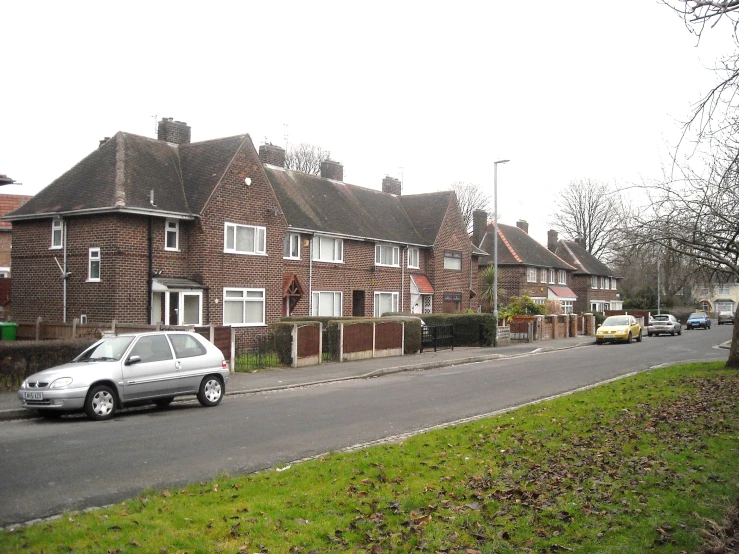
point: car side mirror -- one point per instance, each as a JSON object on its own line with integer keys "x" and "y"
{"x": 133, "y": 360}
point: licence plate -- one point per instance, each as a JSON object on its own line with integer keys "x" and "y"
{"x": 610, "y": 337}
{"x": 33, "y": 395}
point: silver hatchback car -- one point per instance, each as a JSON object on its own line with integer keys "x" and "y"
{"x": 141, "y": 367}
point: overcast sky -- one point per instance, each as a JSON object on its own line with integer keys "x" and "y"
{"x": 430, "y": 92}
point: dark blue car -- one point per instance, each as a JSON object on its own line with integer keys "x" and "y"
{"x": 698, "y": 319}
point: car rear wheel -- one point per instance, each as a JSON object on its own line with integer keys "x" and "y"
{"x": 211, "y": 391}
{"x": 101, "y": 403}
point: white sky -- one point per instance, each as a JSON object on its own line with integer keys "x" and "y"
{"x": 566, "y": 90}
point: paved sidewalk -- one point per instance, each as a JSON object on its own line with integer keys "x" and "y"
{"x": 283, "y": 378}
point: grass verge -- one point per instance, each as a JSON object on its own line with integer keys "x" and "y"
{"x": 644, "y": 464}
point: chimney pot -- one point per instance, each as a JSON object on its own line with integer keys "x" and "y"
{"x": 176, "y": 132}
{"x": 391, "y": 185}
{"x": 332, "y": 170}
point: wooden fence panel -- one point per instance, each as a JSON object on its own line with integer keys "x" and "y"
{"x": 308, "y": 341}
{"x": 388, "y": 335}
{"x": 357, "y": 338}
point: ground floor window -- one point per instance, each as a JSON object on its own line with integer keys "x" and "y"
{"x": 452, "y": 302}
{"x": 174, "y": 307}
{"x": 566, "y": 306}
{"x": 243, "y": 307}
{"x": 327, "y": 303}
{"x": 385, "y": 302}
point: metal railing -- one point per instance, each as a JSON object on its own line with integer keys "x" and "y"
{"x": 440, "y": 337}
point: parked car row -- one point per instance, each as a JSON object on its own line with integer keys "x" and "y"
{"x": 626, "y": 328}
{"x": 133, "y": 368}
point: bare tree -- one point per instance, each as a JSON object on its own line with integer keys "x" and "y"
{"x": 470, "y": 197}
{"x": 695, "y": 216}
{"x": 701, "y": 13}
{"x": 591, "y": 211}
{"x": 306, "y": 158}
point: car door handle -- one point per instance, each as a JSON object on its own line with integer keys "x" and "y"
{"x": 177, "y": 365}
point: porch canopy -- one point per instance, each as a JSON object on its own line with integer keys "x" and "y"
{"x": 561, "y": 293}
{"x": 165, "y": 284}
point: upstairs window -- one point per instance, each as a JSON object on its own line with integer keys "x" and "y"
{"x": 57, "y": 233}
{"x": 171, "y": 234}
{"x": 413, "y": 258}
{"x": 594, "y": 282}
{"x": 386, "y": 254}
{"x": 245, "y": 239}
{"x": 326, "y": 249}
{"x": 613, "y": 283}
{"x": 552, "y": 274}
{"x": 562, "y": 277}
{"x": 531, "y": 274}
{"x": 544, "y": 275}
{"x": 604, "y": 282}
{"x": 292, "y": 247}
{"x": 453, "y": 260}
{"x": 93, "y": 265}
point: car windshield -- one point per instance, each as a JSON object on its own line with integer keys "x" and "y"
{"x": 616, "y": 320}
{"x": 697, "y": 315}
{"x": 111, "y": 348}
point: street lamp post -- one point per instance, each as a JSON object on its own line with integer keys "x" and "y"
{"x": 495, "y": 245}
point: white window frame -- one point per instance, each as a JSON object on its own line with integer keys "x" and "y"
{"x": 172, "y": 226}
{"x": 452, "y": 255}
{"x": 544, "y": 275}
{"x": 260, "y": 239}
{"x": 562, "y": 277}
{"x": 389, "y": 250}
{"x": 338, "y": 298}
{"x": 613, "y": 283}
{"x": 244, "y": 300}
{"x": 603, "y": 283}
{"x": 291, "y": 245}
{"x": 414, "y": 258}
{"x": 594, "y": 282}
{"x": 93, "y": 257}
{"x": 566, "y": 306}
{"x": 393, "y": 302}
{"x": 324, "y": 246}
{"x": 57, "y": 226}
{"x": 552, "y": 276}
{"x": 531, "y": 274}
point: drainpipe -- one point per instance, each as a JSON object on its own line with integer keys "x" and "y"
{"x": 65, "y": 275}
{"x": 310, "y": 276}
{"x": 470, "y": 291}
{"x": 150, "y": 281}
{"x": 402, "y": 277}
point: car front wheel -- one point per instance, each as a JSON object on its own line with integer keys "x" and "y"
{"x": 100, "y": 403}
{"x": 211, "y": 391}
{"x": 638, "y": 338}
{"x": 628, "y": 339}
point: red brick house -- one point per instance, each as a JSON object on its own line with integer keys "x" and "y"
{"x": 525, "y": 267}
{"x": 8, "y": 203}
{"x": 145, "y": 230}
{"x": 596, "y": 285}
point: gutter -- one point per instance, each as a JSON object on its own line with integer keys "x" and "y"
{"x": 89, "y": 211}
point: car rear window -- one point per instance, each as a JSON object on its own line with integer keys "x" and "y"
{"x": 187, "y": 346}
{"x": 661, "y": 318}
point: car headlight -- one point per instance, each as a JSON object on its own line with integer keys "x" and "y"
{"x": 61, "y": 382}
{"x": 23, "y": 384}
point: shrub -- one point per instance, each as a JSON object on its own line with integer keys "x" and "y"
{"x": 469, "y": 329}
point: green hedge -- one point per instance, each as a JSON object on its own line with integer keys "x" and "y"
{"x": 19, "y": 359}
{"x": 469, "y": 329}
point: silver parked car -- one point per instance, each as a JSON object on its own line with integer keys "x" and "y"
{"x": 664, "y": 323}
{"x": 141, "y": 367}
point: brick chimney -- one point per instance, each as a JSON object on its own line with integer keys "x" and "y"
{"x": 391, "y": 185}
{"x": 552, "y": 240}
{"x": 523, "y": 225}
{"x": 479, "y": 226}
{"x": 332, "y": 170}
{"x": 103, "y": 141}
{"x": 580, "y": 241}
{"x": 271, "y": 154}
{"x": 176, "y": 132}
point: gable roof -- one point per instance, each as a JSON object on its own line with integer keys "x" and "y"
{"x": 583, "y": 261}
{"x": 121, "y": 174}
{"x": 313, "y": 203}
{"x": 516, "y": 247}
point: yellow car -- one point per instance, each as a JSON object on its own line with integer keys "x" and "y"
{"x": 618, "y": 327}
